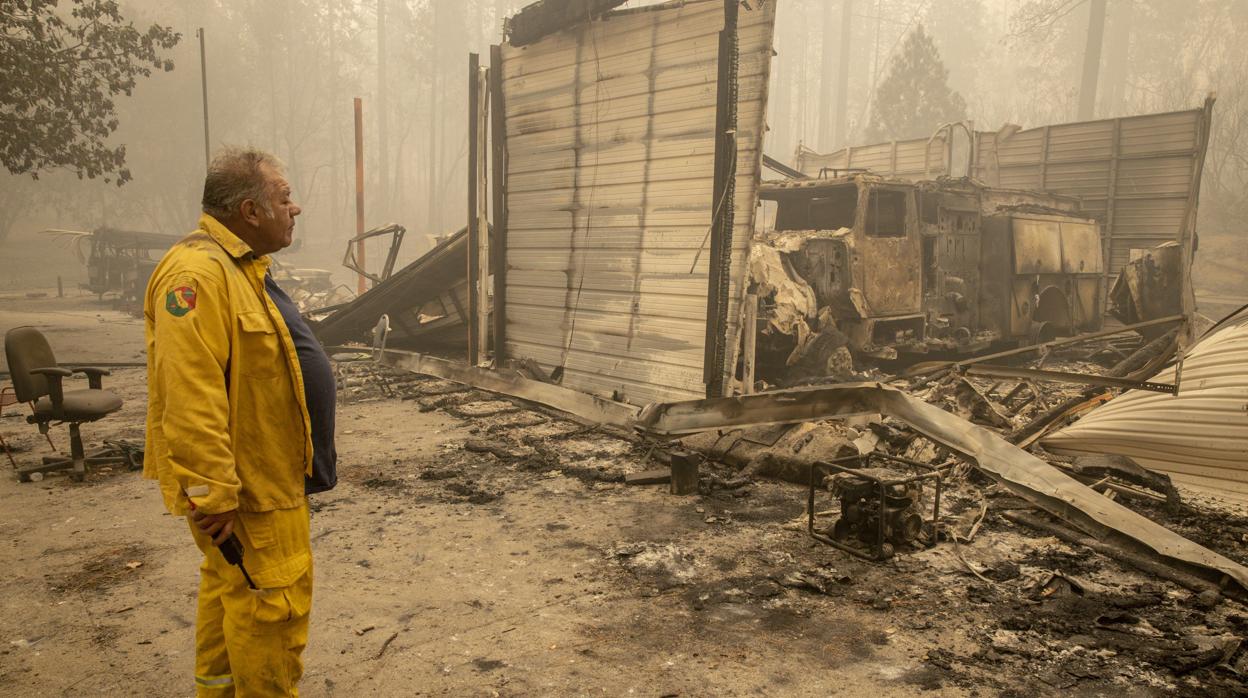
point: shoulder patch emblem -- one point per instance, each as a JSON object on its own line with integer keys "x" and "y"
{"x": 180, "y": 301}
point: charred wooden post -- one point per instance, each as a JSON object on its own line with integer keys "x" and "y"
{"x": 685, "y": 472}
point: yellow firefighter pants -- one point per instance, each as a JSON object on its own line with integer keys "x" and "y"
{"x": 248, "y": 642}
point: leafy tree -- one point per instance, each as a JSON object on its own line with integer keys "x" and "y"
{"x": 62, "y": 72}
{"x": 915, "y": 97}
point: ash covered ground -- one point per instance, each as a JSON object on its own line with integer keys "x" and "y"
{"x": 482, "y": 546}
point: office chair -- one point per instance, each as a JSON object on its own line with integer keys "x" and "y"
{"x": 38, "y": 381}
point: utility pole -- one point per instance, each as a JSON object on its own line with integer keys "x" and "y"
{"x": 203, "y": 79}
{"x": 1092, "y": 59}
{"x": 840, "y": 135}
{"x": 362, "y": 286}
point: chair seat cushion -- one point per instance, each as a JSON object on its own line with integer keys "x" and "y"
{"x": 81, "y": 405}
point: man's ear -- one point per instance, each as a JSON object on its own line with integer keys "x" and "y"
{"x": 249, "y": 212}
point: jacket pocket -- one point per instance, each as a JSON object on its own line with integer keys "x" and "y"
{"x": 258, "y": 350}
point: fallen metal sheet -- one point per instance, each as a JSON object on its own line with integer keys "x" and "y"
{"x": 514, "y": 384}
{"x": 1022, "y": 473}
{"x": 440, "y": 273}
{"x": 1199, "y": 437}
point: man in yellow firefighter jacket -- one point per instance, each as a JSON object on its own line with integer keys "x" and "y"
{"x": 240, "y": 425}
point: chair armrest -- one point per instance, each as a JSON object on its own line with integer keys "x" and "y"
{"x": 94, "y": 375}
{"x": 54, "y": 374}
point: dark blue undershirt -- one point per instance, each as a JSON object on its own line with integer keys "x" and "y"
{"x": 320, "y": 390}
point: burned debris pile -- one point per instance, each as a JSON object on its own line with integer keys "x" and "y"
{"x": 1026, "y": 592}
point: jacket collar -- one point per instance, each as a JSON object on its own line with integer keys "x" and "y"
{"x": 231, "y": 243}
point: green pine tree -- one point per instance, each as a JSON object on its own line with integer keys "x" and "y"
{"x": 915, "y": 97}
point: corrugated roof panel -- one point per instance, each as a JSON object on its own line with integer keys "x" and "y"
{"x": 1156, "y": 154}
{"x": 1090, "y": 140}
{"x": 1087, "y": 180}
{"x": 1155, "y": 218}
{"x": 1155, "y": 176}
{"x": 1024, "y": 177}
{"x": 635, "y": 263}
{"x": 1164, "y": 179}
{"x": 910, "y": 158}
{"x": 1023, "y": 148}
{"x": 877, "y": 158}
{"x": 1199, "y": 437}
{"x": 810, "y": 163}
{"x": 556, "y": 111}
{"x": 667, "y": 305}
{"x": 1160, "y": 133}
{"x": 610, "y": 174}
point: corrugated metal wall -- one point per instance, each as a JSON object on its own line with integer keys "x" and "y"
{"x": 903, "y": 159}
{"x": 611, "y": 147}
{"x": 1199, "y": 437}
{"x": 1134, "y": 174}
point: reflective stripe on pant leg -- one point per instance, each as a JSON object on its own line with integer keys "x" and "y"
{"x": 214, "y": 681}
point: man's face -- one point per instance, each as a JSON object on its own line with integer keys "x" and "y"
{"x": 276, "y": 232}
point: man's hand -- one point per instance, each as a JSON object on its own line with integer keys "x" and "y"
{"x": 219, "y": 526}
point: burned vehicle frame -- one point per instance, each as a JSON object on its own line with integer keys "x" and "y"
{"x": 904, "y": 268}
{"x": 121, "y": 261}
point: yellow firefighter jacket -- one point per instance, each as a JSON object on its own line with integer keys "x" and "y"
{"x": 226, "y": 406}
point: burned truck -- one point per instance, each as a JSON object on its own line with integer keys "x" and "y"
{"x": 891, "y": 268}
{"x": 118, "y": 261}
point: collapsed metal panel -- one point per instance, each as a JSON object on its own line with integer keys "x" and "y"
{"x": 610, "y": 164}
{"x": 1135, "y": 174}
{"x": 1199, "y": 437}
{"x": 441, "y": 274}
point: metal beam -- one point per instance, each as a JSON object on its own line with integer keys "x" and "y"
{"x": 512, "y": 383}
{"x": 1064, "y": 377}
{"x": 1040, "y": 347}
{"x": 498, "y": 182}
{"x": 772, "y": 163}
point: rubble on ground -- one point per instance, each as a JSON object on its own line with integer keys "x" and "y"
{"x": 1021, "y": 601}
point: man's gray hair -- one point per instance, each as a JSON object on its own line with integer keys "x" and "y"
{"x": 234, "y": 176}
